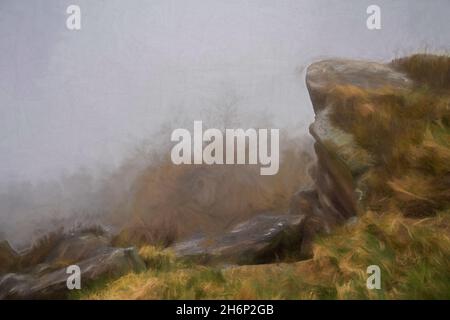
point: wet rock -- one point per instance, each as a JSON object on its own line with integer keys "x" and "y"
{"x": 58, "y": 249}
{"x": 41, "y": 271}
{"x": 37, "y": 284}
{"x": 263, "y": 238}
{"x": 77, "y": 247}
{"x": 16, "y": 286}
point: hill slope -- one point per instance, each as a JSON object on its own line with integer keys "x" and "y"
{"x": 383, "y": 145}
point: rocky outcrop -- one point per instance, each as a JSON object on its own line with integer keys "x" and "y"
{"x": 338, "y": 192}
{"x": 44, "y": 276}
{"x": 340, "y": 161}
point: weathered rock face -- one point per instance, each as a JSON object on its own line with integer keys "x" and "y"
{"x": 340, "y": 160}
{"x": 48, "y": 278}
{"x": 260, "y": 239}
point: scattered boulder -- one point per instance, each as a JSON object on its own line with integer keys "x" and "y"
{"x": 60, "y": 248}
{"x": 91, "y": 252}
{"x": 263, "y": 238}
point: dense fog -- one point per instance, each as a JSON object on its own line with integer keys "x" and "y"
{"x": 83, "y": 113}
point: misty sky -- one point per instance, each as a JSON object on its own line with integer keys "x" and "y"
{"x": 83, "y": 98}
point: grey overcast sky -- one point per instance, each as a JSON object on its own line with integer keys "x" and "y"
{"x": 81, "y": 98}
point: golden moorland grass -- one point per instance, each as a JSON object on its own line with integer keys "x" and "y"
{"x": 414, "y": 257}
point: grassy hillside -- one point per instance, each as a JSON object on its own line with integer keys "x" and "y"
{"x": 413, "y": 255}
{"x": 405, "y": 229}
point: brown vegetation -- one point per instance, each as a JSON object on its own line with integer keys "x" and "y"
{"x": 171, "y": 202}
